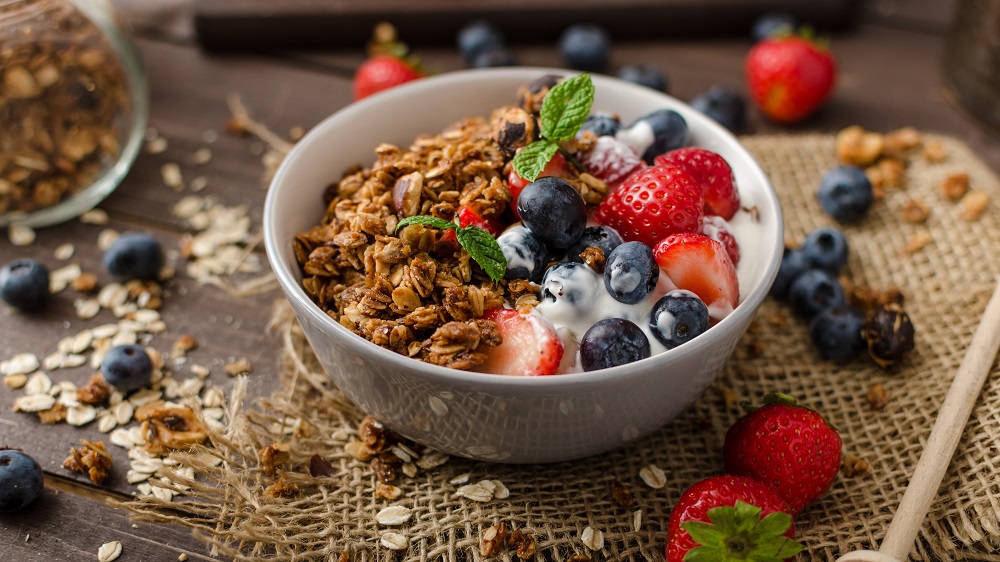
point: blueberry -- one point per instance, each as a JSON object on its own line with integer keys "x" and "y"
{"x": 651, "y": 135}
{"x": 24, "y": 284}
{"x": 602, "y": 124}
{"x": 724, "y": 105}
{"x": 603, "y": 237}
{"x": 526, "y": 254}
{"x": 134, "y": 255}
{"x": 553, "y": 210}
{"x": 772, "y": 23}
{"x": 630, "y": 272}
{"x": 479, "y": 37}
{"x": 645, "y": 75}
{"x": 20, "y": 480}
{"x": 585, "y": 46}
{"x": 678, "y": 317}
{"x": 836, "y": 333}
{"x": 612, "y": 342}
{"x": 127, "y": 367}
{"x": 814, "y": 291}
{"x": 846, "y": 194}
{"x": 792, "y": 264}
{"x": 494, "y": 58}
{"x": 825, "y": 248}
{"x": 572, "y": 283}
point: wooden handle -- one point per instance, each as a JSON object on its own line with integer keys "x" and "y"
{"x": 945, "y": 434}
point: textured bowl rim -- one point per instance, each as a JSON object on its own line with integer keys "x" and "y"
{"x": 293, "y": 291}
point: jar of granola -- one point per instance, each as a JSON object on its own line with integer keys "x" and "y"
{"x": 73, "y": 108}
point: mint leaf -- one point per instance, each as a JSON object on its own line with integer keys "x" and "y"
{"x": 531, "y": 160}
{"x": 566, "y": 106}
{"x": 483, "y": 248}
{"x": 429, "y": 221}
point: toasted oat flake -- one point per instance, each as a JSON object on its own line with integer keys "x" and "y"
{"x": 388, "y": 491}
{"x": 394, "y": 541}
{"x": 202, "y": 156}
{"x": 106, "y": 237}
{"x": 109, "y": 551}
{"x": 653, "y": 476}
{"x": 241, "y": 366}
{"x": 22, "y": 363}
{"x": 489, "y": 485}
{"x": 62, "y": 277}
{"x": 917, "y": 242}
{"x": 106, "y": 422}
{"x": 21, "y": 235}
{"x": 500, "y": 491}
{"x": 401, "y": 454}
{"x": 38, "y": 383}
{"x": 15, "y": 381}
{"x": 637, "y": 520}
{"x": 86, "y": 308}
{"x": 432, "y": 459}
{"x": 81, "y": 415}
{"x": 95, "y": 216}
{"x": 121, "y": 437}
{"x": 199, "y": 183}
{"x": 461, "y": 479}
{"x": 145, "y": 396}
{"x": 409, "y": 469}
{"x": 135, "y": 477}
{"x": 123, "y": 412}
{"x": 163, "y": 494}
{"x": 200, "y": 371}
{"x": 973, "y": 204}
{"x": 474, "y": 492}
{"x": 64, "y": 251}
{"x": 393, "y": 515}
{"x": 34, "y": 403}
{"x": 172, "y": 177}
{"x": 157, "y": 145}
{"x": 592, "y": 538}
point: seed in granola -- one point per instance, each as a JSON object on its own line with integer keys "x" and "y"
{"x": 92, "y": 460}
{"x": 855, "y": 466}
{"x": 858, "y": 147}
{"x": 493, "y": 540}
{"x": 109, "y": 551}
{"x": 973, "y": 205}
{"x": 954, "y": 186}
{"x": 877, "y": 396}
{"x": 889, "y": 334}
{"x": 621, "y": 494}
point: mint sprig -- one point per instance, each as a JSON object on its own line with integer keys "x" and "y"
{"x": 481, "y": 245}
{"x": 564, "y": 110}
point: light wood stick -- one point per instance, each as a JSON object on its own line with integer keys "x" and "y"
{"x": 946, "y": 433}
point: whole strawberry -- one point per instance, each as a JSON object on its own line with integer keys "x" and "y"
{"x": 652, "y": 204}
{"x": 789, "y": 77}
{"x": 790, "y": 447}
{"x": 381, "y": 73}
{"x": 730, "y": 518}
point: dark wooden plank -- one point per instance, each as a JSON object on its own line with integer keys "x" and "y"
{"x": 226, "y": 328}
{"x": 63, "y": 525}
{"x": 261, "y": 24}
{"x": 933, "y": 16}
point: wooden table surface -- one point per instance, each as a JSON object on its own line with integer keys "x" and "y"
{"x": 889, "y": 77}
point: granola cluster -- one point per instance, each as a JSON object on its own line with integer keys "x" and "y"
{"x": 417, "y": 291}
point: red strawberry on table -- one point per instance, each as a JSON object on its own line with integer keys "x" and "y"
{"x": 699, "y": 264}
{"x": 652, "y": 204}
{"x": 530, "y": 344}
{"x": 790, "y": 447}
{"x": 728, "y": 518}
{"x": 789, "y": 77}
{"x": 381, "y": 73}
{"x": 716, "y": 177}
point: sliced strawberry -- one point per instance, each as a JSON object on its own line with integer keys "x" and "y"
{"x": 530, "y": 346}
{"x": 653, "y": 203}
{"x": 717, "y": 228}
{"x": 557, "y": 166}
{"x": 468, "y": 216}
{"x": 610, "y": 160}
{"x": 716, "y": 177}
{"x": 699, "y": 264}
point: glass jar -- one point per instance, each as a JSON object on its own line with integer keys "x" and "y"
{"x": 73, "y": 108}
{"x": 972, "y": 59}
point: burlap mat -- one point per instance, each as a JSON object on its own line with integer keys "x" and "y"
{"x": 947, "y": 284}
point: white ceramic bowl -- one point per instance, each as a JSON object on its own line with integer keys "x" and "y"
{"x": 490, "y": 417}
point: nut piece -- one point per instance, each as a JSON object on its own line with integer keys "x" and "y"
{"x": 621, "y": 494}
{"x": 889, "y": 334}
{"x": 95, "y": 392}
{"x": 899, "y": 141}
{"x": 170, "y": 427}
{"x": 973, "y": 205}
{"x": 92, "y": 460}
{"x": 854, "y": 466}
{"x": 858, "y": 147}
{"x": 282, "y": 489}
{"x": 916, "y": 211}
{"x": 953, "y": 187}
{"x": 388, "y": 491}
{"x": 273, "y": 456}
{"x": 523, "y": 543}
{"x": 877, "y": 396}
{"x": 494, "y": 540}
{"x": 321, "y": 468}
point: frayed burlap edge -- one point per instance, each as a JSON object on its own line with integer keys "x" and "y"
{"x": 947, "y": 284}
